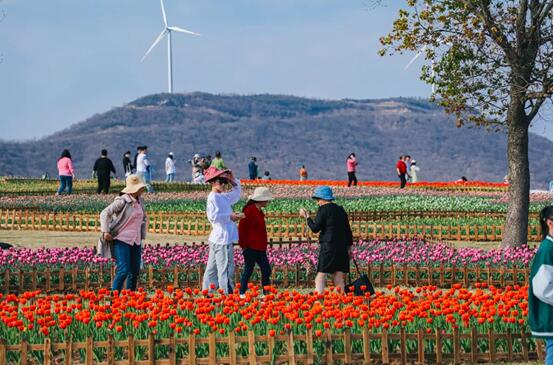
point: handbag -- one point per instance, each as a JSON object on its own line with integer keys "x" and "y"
{"x": 359, "y": 286}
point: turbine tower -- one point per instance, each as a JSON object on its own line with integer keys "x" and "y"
{"x": 167, "y": 32}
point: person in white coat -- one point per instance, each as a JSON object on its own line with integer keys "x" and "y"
{"x": 169, "y": 168}
{"x": 414, "y": 172}
{"x": 220, "y": 269}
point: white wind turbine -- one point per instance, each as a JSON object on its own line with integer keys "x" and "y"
{"x": 167, "y": 32}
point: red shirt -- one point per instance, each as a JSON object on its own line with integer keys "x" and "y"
{"x": 252, "y": 233}
{"x": 401, "y": 166}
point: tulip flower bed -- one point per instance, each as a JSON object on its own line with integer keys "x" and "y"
{"x": 488, "y": 323}
{"x": 411, "y": 262}
{"x": 197, "y": 203}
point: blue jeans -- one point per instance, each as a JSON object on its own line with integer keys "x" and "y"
{"x": 127, "y": 259}
{"x": 66, "y": 181}
{"x": 548, "y": 351}
{"x": 170, "y": 177}
{"x": 251, "y": 257}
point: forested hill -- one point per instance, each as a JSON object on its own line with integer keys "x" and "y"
{"x": 284, "y": 132}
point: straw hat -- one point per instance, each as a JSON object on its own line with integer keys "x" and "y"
{"x": 133, "y": 183}
{"x": 261, "y": 194}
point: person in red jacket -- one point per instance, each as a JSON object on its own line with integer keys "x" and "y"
{"x": 401, "y": 171}
{"x": 253, "y": 238}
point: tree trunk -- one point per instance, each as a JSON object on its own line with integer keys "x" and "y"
{"x": 517, "y": 217}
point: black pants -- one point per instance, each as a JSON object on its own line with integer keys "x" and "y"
{"x": 352, "y": 179}
{"x": 103, "y": 184}
{"x": 402, "y": 180}
{"x": 251, "y": 257}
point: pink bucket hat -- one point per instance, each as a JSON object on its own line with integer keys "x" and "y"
{"x": 213, "y": 172}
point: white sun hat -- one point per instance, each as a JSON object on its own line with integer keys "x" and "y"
{"x": 261, "y": 194}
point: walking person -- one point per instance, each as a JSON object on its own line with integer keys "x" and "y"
{"x": 65, "y": 172}
{"x": 220, "y": 269}
{"x": 144, "y": 168}
{"x": 252, "y": 169}
{"x": 303, "y": 173}
{"x": 217, "y": 162}
{"x": 103, "y": 167}
{"x": 401, "y": 171}
{"x": 335, "y": 238}
{"x": 407, "y": 161}
{"x": 414, "y": 172}
{"x": 127, "y": 165}
{"x": 351, "y": 164}
{"x": 169, "y": 168}
{"x": 123, "y": 222}
{"x": 541, "y": 284}
{"x": 253, "y": 238}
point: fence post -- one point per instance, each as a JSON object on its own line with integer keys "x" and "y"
{"x": 131, "y": 344}
{"x": 456, "y": 345}
{"x": 420, "y": 347}
{"x": 151, "y": 345}
{"x": 367, "y": 350}
{"x": 192, "y": 349}
{"x": 111, "y": 350}
{"x": 524, "y": 346}
{"x": 474, "y": 345}
{"x": 347, "y": 347}
{"x": 47, "y": 351}
{"x": 211, "y": 349}
{"x": 309, "y": 347}
{"x": 89, "y": 353}
{"x": 403, "y": 357}
{"x": 329, "y": 346}
{"x": 172, "y": 349}
{"x": 290, "y": 348}
{"x": 384, "y": 347}
{"x": 492, "y": 346}
{"x": 510, "y": 346}
{"x": 438, "y": 346}
{"x": 3, "y": 359}
{"x": 232, "y": 349}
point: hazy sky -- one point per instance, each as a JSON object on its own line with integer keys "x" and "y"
{"x": 64, "y": 60}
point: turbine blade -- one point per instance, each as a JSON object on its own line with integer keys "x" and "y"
{"x": 415, "y": 57}
{"x": 178, "y": 29}
{"x": 162, "y": 34}
{"x": 163, "y": 13}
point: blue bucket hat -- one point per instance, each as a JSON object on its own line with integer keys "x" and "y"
{"x": 323, "y": 192}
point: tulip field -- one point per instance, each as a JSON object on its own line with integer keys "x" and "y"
{"x": 436, "y": 300}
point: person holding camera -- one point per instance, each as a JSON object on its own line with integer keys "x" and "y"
{"x": 335, "y": 238}
{"x": 220, "y": 269}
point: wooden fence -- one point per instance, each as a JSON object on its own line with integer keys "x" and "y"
{"x": 73, "y": 278}
{"x": 290, "y": 348}
{"x": 293, "y": 228}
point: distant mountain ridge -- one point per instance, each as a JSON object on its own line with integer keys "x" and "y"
{"x": 284, "y": 132}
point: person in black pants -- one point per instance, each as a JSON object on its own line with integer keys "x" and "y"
{"x": 351, "y": 164}
{"x": 127, "y": 165}
{"x": 102, "y": 168}
{"x": 401, "y": 170}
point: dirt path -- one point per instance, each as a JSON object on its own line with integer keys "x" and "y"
{"x": 36, "y": 239}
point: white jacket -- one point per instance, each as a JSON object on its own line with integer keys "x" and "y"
{"x": 218, "y": 210}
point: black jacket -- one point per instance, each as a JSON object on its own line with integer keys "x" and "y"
{"x": 103, "y": 166}
{"x": 332, "y": 223}
{"x": 127, "y": 165}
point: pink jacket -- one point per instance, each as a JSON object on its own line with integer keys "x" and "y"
{"x": 65, "y": 167}
{"x": 351, "y": 164}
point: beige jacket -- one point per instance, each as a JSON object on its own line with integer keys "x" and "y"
{"x": 116, "y": 215}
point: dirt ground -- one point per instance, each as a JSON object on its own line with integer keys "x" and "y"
{"x": 37, "y": 239}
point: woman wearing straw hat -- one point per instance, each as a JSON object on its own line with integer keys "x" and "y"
{"x": 124, "y": 223}
{"x": 253, "y": 238}
{"x": 220, "y": 269}
{"x": 335, "y": 238}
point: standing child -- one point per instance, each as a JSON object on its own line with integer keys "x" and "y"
{"x": 169, "y": 168}
{"x": 220, "y": 269}
{"x": 253, "y": 238}
{"x": 540, "y": 286}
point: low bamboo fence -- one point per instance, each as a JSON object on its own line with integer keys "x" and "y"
{"x": 292, "y": 228}
{"x": 52, "y": 279}
{"x": 290, "y": 348}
